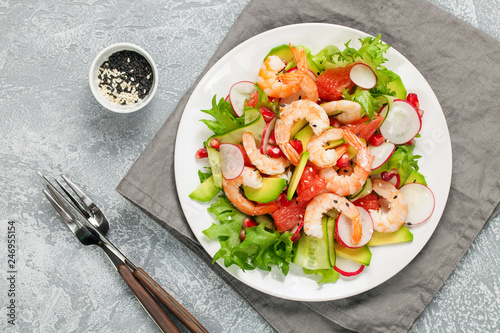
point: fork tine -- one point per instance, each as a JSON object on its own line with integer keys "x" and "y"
{"x": 85, "y": 199}
{"x": 81, "y": 207}
{"x": 84, "y": 235}
{"x": 95, "y": 217}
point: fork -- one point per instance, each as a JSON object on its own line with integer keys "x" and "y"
{"x": 89, "y": 225}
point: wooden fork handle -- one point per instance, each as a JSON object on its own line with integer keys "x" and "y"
{"x": 148, "y": 302}
{"x": 166, "y": 299}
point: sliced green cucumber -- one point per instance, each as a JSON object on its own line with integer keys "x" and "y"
{"x": 215, "y": 164}
{"x": 330, "y": 233}
{"x": 206, "y": 191}
{"x": 254, "y": 124}
{"x": 312, "y": 252}
{"x": 361, "y": 255}
{"x": 297, "y": 173}
{"x": 399, "y": 236}
{"x": 363, "y": 192}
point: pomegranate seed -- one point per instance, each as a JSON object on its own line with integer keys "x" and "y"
{"x": 267, "y": 114}
{"x": 242, "y": 234}
{"x": 411, "y": 142}
{"x": 297, "y": 145}
{"x": 201, "y": 153}
{"x": 248, "y": 223}
{"x": 343, "y": 161}
{"x": 334, "y": 122}
{"x": 272, "y": 138}
{"x": 391, "y": 177}
{"x": 376, "y": 140}
{"x": 413, "y": 99}
{"x": 274, "y": 151}
{"x": 214, "y": 143}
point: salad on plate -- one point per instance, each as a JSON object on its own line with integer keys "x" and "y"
{"x": 311, "y": 162}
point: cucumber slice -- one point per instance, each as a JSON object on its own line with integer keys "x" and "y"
{"x": 312, "y": 252}
{"x": 363, "y": 192}
{"x": 399, "y": 236}
{"x": 254, "y": 123}
{"x": 206, "y": 191}
{"x": 215, "y": 164}
{"x": 330, "y": 233}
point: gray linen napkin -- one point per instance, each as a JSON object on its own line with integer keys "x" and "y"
{"x": 462, "y": 66}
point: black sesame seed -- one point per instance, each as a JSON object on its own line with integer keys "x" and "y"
{"x": 335, "y": 201}
{"x": 314, "y": 125}
{"x": 395, "y": 197}
{"x": 347, "y": 204}
{"x": 408, "y": 223}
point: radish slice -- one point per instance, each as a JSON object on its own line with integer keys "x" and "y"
{"x": 421, "y": 202}
{"x": 296, "y": 232}
{"x": 343, "y": 229}
{"x": 381, "y": 153}
{"x": 265, "y": 136}
{"x": 239, "y": 93}
{"x": 402, "y": 123}
{"x": 347, "y": 267}
{"x": 232, "y": 160}
{"x": 363, "y": 76}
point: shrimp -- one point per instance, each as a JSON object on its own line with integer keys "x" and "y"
{"x": 346, "y": 185}
{"x": 249, "y": 177}
{"x": 322, "y": 203}
{"x": 302, "y": 109}
{"x": 321, "y": 157}
{"x": 392, "y": 219}
{"x": 270, "y": 81}
{"x": 350, "y": 111}
{"x": 301, "y": 77}
{"x": 265, "y": 164}
{"x": 284, "y": 85}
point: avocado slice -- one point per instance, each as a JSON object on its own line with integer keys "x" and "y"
{"x": 284, "y": 53}
{"x": 399, "y": 236}
{"x": 206, "y": 191}
{"x": 297, "y": 173}
{"x": 415, "y": 177}
{"x": 398, "y": 87}
{"x": 269, "y": 191}
{"x": 304, "y": 135}
{"x": 361, "y": 255}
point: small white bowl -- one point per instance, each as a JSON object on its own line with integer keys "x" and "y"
{"x": 94, "y": 81}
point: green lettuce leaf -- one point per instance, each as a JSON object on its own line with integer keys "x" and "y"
{"x": 402, "y": 160}
{"x": 204, "y": 175}
{"x": 368, "y": 102}
{"x": 261, "y": 248}
{"x": 225, "y": 119}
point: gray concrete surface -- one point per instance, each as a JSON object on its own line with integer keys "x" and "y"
{"x": 50, "y": 122}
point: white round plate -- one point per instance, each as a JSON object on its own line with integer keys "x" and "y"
{"x": 242, "y": 64}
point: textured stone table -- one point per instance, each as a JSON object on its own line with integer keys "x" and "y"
{"x": 50, "y": 122}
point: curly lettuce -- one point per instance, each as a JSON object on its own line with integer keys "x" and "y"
{"x": 262, "y": 248}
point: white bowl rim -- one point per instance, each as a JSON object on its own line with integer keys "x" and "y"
{"x": 93, "y": 81}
